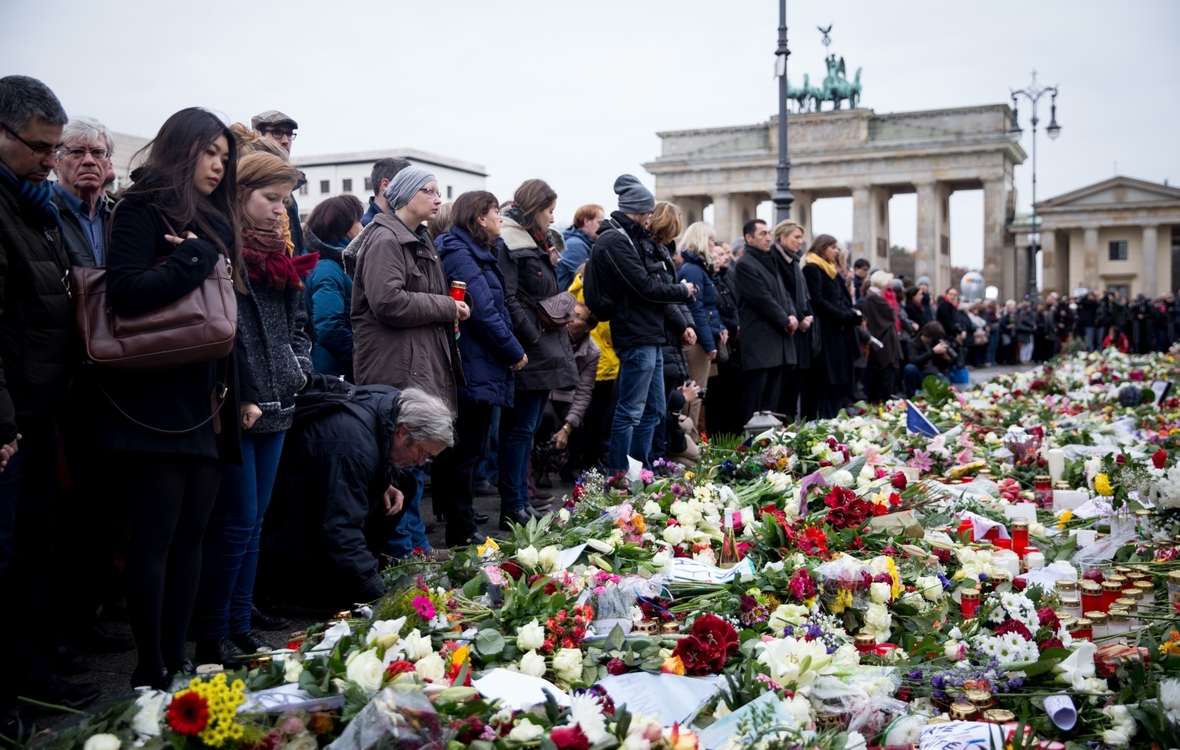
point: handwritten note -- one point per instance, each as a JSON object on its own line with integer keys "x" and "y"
{"x": 519, "y": 691}
{"x": 687, "y": 570}
{"x": 287, "y": 698}
{"x": 670, "y": 698}
{"x": 962, "y": 735}
{"x": 719, "y": 733}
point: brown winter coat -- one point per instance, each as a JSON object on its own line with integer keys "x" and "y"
{"x": 881, "y": 320}
{"x": 403, "y": 321}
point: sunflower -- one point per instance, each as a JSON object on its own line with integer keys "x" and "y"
{"x": 188, "y": 715}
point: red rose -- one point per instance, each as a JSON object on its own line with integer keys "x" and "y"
{"x": 570, "y": 738}
{"x": 898, "y": 481}
{"x": 397, "y": 667}
{"x": 468, "y": 730}
{"x": 511, "y": 569}
{"x": 616, "y": 667}
{"x": 858, "y": 508}
{"x": 1050, "y": 643}
{"x": 1015, "y": 626}
{"x": 1049, "y": 618}
{"x": 1160, "y": 458}
{"x": 705, "y": 650}
{"x": 1120, "y": 459}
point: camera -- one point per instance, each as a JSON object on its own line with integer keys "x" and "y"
{"x": 951, "y": 351}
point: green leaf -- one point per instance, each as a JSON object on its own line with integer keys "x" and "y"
{"x": 616, "y": 639}
{"x": 489, "y": 642}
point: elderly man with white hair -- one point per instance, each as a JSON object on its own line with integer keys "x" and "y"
{"x": 84, "y": 170}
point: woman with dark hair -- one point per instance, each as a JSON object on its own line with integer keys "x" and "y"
{"x": 832, "y": 366}
{"x": 529, "y": 279}
{"x": 271, "y": 322}
{"x": 490, "y": 352}
{"x": 333, "y": 224}
{"x": 170, "y": 431}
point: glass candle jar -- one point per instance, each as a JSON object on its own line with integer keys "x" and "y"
{"x": 1002, "y": 543}
{"x": 1147, "y": 593}
{"x": 1098, "y": 624}
{"x": 1111, "y": 590}
{"x": 1067, "y": 586}
{"x": 962, "y": 710}
{"x": 1174, "y": 587}
{"x": 1033, "y": 559}
{"x": 1121, "y": 580}
{"x": 1082, "y": 628}
{"x": 1091, "y": 596}
{"x": 1127, "y": 603}
{"x": 1066, "y": 620}
{"x": 1071, "y": 604}
{"x": 1043, "y": 491}
{"x": 969, "y": 603}
{"x": 1019, "y": 535}
{"x": 865, "y": 643}
{"x": 1118, "y": 622}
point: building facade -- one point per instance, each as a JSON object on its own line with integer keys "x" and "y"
{"x": 330, "y": 175}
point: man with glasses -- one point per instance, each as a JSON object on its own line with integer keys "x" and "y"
{"x": 36, "y": 347}
{"x": 281, "y": 129}
{"x": 83, "y": 170}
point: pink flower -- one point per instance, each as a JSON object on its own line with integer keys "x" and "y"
{"x": 646, "y": 476}
{"x": 964, "y": 457}
{"x": 920, "y": 461}
{"x": 495, "y": 575}
{"x": 425, "y": 607}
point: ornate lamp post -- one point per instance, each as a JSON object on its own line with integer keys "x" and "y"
{"x": 782, "y": 188}
{"x": 1033, "y": 92}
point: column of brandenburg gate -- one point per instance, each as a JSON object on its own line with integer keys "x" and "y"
{"x": 865, "y": 155}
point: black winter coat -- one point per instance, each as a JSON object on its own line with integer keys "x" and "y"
{"x": 838, "y": 346}
{"x": 326, "y": 524}
{"x": 790, "y": 268}
{"x": 38, "y": 346}
{"x": 177, "y": 398}
{"x": 641, "y": 278}
{"x": 528, "y": 274}
{"x": 727, "y": 306}
{"x": 949, "y": 317}
{"x": 765, "y": 307}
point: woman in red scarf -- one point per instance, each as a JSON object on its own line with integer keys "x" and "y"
{"x": 272, "y": 323}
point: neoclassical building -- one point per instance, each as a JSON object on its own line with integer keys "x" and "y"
{"x": 868, "y": 156}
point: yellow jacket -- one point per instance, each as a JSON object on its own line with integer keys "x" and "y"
{"x": 608, "y": 363}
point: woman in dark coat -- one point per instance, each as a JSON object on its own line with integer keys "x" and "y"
{"x": 696, "y": 246}
{"x": 788, "y": 237}
{"x": 832, "y": 366}
{"x": 171, "y": 430}
{"x": 881, "y": 319}
{"x": 333, "y": 224}
{"x": 489, "y": 349}
{"x": 529, "y": 279}
{"x": 725, "y": 388}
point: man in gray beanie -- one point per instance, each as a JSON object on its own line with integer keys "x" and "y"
{"x": 633, "y": 283}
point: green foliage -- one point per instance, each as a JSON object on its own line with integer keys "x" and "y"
{"x": 937, "y": 392}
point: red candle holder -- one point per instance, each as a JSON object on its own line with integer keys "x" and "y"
{"x": 1019, "y": 536}
{"x": 969, "y": 604}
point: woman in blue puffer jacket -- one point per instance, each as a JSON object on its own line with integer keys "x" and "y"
{"x": 695, "y": 249}
{"x": 490, "y": 353}
{"x": 332, "y": 225}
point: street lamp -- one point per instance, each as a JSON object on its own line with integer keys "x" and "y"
{"x": 1033, "y": 92}
{"x": 782, "y": 188}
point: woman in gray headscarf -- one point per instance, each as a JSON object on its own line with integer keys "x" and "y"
{"x": 403, "y": 319}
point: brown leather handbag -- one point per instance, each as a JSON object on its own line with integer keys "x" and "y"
{"x": 198, "y": 327}
{"x": 552, "y": 312}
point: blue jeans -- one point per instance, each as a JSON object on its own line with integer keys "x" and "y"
{"x": 411, "y": 532}
{"x": 488, "y": 470}
{"x": 232, "y": 540}
{"x": 993, "y": 345}
{"x": 1092, "y": 340}
{"x": 640, "y": 407}
{"x": 518, "y": 425}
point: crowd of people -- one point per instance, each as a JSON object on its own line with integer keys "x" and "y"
{"x": 377, "y": 350}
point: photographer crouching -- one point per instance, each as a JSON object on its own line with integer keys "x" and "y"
{"x": 929, "y": 354}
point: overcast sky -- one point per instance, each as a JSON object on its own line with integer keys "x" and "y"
{"x": 575, "y": 92}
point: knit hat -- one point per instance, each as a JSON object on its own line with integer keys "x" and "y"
{"x": 405, "y": 185}
{"x": 634, "y": 198}
{"x": 922, "y": 280}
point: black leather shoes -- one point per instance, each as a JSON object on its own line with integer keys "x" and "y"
{"x": 252, "y": 642}
{"x": 156, "y": 679}
{"x": 221, "y": 651}
{"x": 95, "y": 640}
{"x": 263, "y": 621}
{"x": 521, "y": 517}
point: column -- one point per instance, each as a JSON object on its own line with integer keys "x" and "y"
{"x": 933, "y": 257}
{"x": 1050, "y": 263}
{"x": 993, "y": 236}
{"x": 693, "y": 208}
{"x": 1149, "y": 276}
{"x": 862, "y": 225}
{"x": 1023, "y": 254}
{"x": 1090, "y": 258}
{"x": 722, "y": 220}
{"x": 801, "y": 214}
{"x": 880, "y": 244}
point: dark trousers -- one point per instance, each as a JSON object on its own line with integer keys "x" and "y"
{"x": 171, "y": 498}
{"x": 28, "y": 517}
{"x": 762, "y": 387}
{"x": 723, "y": 403}
{"x": 518, "y": 427}
{"x": 882, "y": 383}
{"x": 453, "y": 472}
{"x": 596, "y": 423}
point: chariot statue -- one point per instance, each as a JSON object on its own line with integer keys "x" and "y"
{"x": 835, "y": 87}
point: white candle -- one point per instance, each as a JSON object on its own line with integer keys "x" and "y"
{"x": 1008, "y": 560}
{"x": 1056, "y": 458}
{"x": 1035, "y": 560}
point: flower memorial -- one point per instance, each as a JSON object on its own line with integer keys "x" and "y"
{"x": 841, "y": 584}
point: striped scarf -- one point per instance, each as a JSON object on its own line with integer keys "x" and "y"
{"x": 35, "y": 199}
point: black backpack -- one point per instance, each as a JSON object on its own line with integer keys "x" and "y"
{"x": 595, "y": 285}
{"x": 324, "y": 394}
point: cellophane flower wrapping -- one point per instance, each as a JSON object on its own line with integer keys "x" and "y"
{"x": 400, "y": 717}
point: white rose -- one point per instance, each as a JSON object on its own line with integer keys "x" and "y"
{"x": 292, "y": 668}
{"x": 880, "y": 593}
{"x": 930, "y": 587}
{"x": 548, "y": 559}
{"x": 366, "y": 670}
{"x": 674, "y": 535}
{"x": 146, "y": 721}
{"x": 842, "y": 478}
{"x": 417, "y": 645}
{"x": 567, "y": 664}
{"x": 525, "y": 731}
{"x": 383, "y": 628}
{"x": 651, "y": 508}
{"x": 529, "y": 557}
{"x": 563, "y": 515}
{"x": 532, "y": 664}
{"x": 799, "y": 708}
{"x": 431, "y": 668}
{"x": 662, "y": 561}
{"x": 530, "y": 637}
{"x": 102, "y": 742}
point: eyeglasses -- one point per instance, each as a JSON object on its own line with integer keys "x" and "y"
{"x": 38, "y": 151}
{"x": 280, "y": 134}
{"x": 432, "y": 192}
{"x": 76, "y": 154}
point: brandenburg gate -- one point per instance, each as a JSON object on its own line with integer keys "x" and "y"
{"x": 868, "y": 156}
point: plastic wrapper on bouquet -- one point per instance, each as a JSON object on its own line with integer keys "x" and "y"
{"x": 400, "y": 717}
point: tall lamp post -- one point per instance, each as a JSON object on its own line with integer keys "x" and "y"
{"x": 1033, "y": 92}
{"x": 782, "y": 188}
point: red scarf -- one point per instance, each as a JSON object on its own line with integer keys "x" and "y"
{"x": 891, "y": 298}
{"x": 266, "y": 260}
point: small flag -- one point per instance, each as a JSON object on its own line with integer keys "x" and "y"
{"x": 916, "y": 421}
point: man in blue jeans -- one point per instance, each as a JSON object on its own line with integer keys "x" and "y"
{"x": 641, "y": 282}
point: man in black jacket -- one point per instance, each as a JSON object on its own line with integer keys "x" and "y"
{"x": 343, "y": 480}
{"x": 36, "y": 348}
{"x": 641, "y": 280}
{"x": 768, "y": 320}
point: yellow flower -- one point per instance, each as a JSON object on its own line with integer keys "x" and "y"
{"x": 1102, "y": 484}
{"x": 1063, "y": 518}
{"x": 896, "y": 576}
{"x": 487, "y": 547}
{"x": 672, "y": 665}
{"x": 689, "y": 475}
{"x": 843, "y": 601}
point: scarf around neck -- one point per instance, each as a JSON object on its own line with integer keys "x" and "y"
{"x": 540, "y": 236}
{"x": 266, "y": 258}
{"x": 36, "y": 199}
{"x": 816, "y": 260}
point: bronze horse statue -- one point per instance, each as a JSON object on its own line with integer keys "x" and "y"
{"x": 837, "y": 87}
